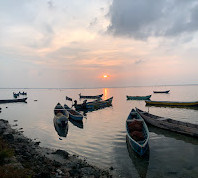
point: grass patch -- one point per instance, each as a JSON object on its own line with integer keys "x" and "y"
{"x": 7, "y": 171}
{"x": 5, "y": 151}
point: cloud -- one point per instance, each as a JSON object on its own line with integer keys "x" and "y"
{"x": 145, "y": 18}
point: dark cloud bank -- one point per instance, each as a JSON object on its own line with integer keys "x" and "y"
{"x": 141, "y": 19}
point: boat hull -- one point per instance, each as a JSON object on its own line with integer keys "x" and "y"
{"x": 169, "y": 124}
{"x": 138, "y": 97}
{"x": 13, "y": 100}
{"x": 140, "y": 147}
{"x": 91, "y": 97}
{"x": 167, "y": 91}
{"x": 171, "y": 103}
{"x": 61, "y": 115}
{"x": 73, "y": 114}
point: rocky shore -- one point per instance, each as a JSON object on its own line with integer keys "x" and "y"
{"x": 25, "y": 158}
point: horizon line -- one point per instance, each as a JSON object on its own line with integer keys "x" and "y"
{"x": 93, "y": 87}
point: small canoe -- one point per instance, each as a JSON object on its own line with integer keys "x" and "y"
{"x": 169, "y": 124}
{"x": 61, "y": 115}
{"x": 90, "y": 97}
{"x": 137, "y": 132}
{"x": 13, "y": 100}
{"x": 138, "y": 97}
{"x": 167, "y": 91}
{"x": 75, "y": 115}
{"x": 172, "y": 103}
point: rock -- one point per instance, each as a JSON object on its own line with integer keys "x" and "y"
{"x": 37, "y": 143}
{"x": 111, "y": 168}
{"x": 62, "y": 153}
{"x": 9, "y": 137}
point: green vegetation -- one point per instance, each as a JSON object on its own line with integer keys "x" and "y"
{"x": 5, "y": 151}
{"x": 10, "y": 170}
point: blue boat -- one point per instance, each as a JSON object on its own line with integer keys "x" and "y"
{"x": 75, "y": 115}
{"x": 138, "y": 97}
{"x": 137, "y": 132}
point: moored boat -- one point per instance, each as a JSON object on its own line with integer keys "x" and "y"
{"x": 169, "y": 124}
{"x": 137, "y": 132}
{"x": 73, "y": 114}
{"x": 138, "y": 97}
{"x": 90, "y": 97}
{"x": 94, "y": 105}
{"x": 13, "y": 100}
{"x": 167, "y": 91}
{"x": 172, "y": 103}
{"x": 61, "y": 115}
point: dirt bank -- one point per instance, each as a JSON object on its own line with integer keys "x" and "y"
{"x": 26, "y": 158}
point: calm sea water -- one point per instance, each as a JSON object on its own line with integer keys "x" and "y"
{"x": 102, "y": 137}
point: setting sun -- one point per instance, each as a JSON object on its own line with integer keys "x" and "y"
{"x": 105, "y": 76}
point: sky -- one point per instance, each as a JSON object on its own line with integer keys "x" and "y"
{"x": 73, "y": 44}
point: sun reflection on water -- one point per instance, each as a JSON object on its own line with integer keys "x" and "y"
{"x": 106, "y": 93}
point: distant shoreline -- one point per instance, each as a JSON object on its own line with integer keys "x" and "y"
{"x": 63, "y": 88}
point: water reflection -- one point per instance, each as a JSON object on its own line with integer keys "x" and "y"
{"x": 78, "y": 124}
{"x": 177, "y": 136}
{"x": 61, "y": 130}
{"x": 141, "y": 163}
{"x": 106, "y": 93}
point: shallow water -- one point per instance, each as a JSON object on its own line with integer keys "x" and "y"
{"x": 102, "y": 136}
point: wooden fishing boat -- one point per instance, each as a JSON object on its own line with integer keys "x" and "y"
{"x": 137, "y": 132}
{"x": 167, "y": 91}
{"x": 172, "y": 103}
{"x": 169, "y": 124}
{"x": 75, "y": 115}
{"x": 61, "y": 115}
{"x": 138, "y": 97}
{"x": 90, "y": 97}
{"x": 13, "y": 100}
{"x": 94, "y": 105}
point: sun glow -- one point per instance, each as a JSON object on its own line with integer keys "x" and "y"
{"x": 105, "y": 76}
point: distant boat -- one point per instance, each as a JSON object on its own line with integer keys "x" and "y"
{"x": 172, "y": 103}
{"x": 167, "y": 91}
{"x": 94, "y": 105}
{"x": 61, "y": 115}
{"x": 73, "y": 114}
{"x": 23, "y": 93}
{"x": 138, "y": 97}
{"x": 90, "y": 97}
{"x": 15, "y": 95}
{"x": 169, "y": 124}
{"x": 137, "y": 132}
{"x": 13, "y": 100}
